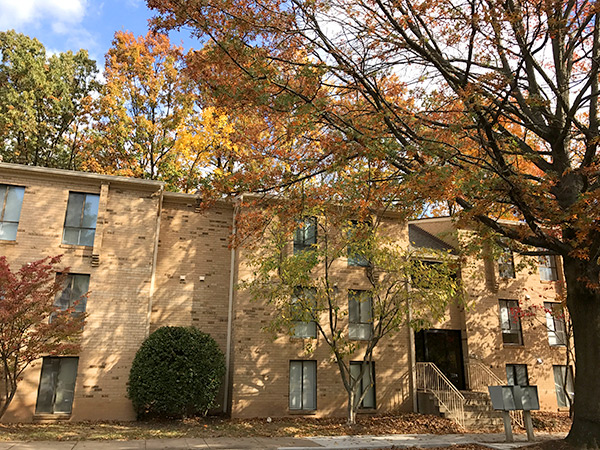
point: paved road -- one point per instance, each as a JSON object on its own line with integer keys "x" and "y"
{"x": 494, "y": 441}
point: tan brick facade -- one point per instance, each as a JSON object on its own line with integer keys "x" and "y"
{"x": 158, "y": 259}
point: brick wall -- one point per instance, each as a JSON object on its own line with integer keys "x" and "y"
{"x": 119, "y": 287}
{"x": 261, "y": 360}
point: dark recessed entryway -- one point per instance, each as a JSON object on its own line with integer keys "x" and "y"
{"x": 444, "y": 349}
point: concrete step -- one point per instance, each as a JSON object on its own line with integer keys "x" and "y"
{"x": 50, "y": 418}
{"x": 478, "y": 411}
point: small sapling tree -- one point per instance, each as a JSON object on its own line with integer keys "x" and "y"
{"x": 302, "y": 285}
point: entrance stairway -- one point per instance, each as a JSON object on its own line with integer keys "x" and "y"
{"x": 477, "y": 411}
{"x": 470, "y": 409}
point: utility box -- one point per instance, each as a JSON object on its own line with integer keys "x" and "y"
{"x": 511, "y": 398}
{"x": 526, "y": 398}
{"x": 503, "y": 398}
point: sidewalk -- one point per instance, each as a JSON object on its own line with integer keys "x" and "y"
{"x": 494, "y": 441}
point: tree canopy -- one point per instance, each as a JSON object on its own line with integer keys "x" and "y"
{"x": 491, "y": 105}
{"x": 44, "y": 102}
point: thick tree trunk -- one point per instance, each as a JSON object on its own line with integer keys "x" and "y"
{"x": 583, "y": 301}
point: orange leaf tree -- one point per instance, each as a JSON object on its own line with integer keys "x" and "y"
{"x": 148, "y": 119}
{"x": 26, "y": 302}
{"x": 492, "y": 105}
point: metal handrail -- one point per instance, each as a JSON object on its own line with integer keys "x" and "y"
{"x": 431, "y": 379}
{"x": 480, "y": 377}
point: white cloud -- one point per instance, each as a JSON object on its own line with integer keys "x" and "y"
{"x": 62, "y": 13}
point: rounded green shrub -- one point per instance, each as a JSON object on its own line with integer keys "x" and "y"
{"x": 177, "y": 372}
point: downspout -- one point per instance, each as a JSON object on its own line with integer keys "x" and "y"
{"x": 412, "y": 354}
{"x": 160, "y": 193}
{"x": 226, "y": 393}
{"x": 411, "y": 361}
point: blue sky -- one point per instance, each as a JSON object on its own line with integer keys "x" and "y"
{"x": 63, "y": 25}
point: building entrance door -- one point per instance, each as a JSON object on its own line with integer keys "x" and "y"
{"x": 444, "y": 349}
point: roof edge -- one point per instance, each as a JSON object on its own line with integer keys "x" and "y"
{"x": 47, "y": 172}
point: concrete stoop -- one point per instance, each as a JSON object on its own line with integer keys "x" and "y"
{"x": 478, "y": 409}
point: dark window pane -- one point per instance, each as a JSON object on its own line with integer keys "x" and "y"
{"x": 65, "y": 385}
{"x": 45, "y": 400}
{"x": 74, "y": 210}
{"x": 506, "y": 264}
{"x": 366, "y": 383}
{"x": 81, "y": 218}
{"x": 305, "y": 236}
{"x": 302, "y": 309}
{"x": 510, "y": 322}
{"x": 57, "y": 385}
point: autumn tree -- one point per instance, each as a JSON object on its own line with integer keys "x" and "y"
{"x": 493, "y": 105}
{"x": 149, "y": 122}
{"x": 27, "y": 302}
{"x": 44, "y": 102}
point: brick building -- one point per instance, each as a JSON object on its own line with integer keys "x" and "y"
{"x": 151, "y": 258}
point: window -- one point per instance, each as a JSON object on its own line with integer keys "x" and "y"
{"x": 75, "y": 288}
{"x": 506, "y": 263}
{"x": 11, "y": 200}
{"x": 555, "y": 322}
{"x": 80, "y": 221}
{"x": 563, "y": 384}
{"x": 57, "y": 385}
{"x": 303, "y": 385}
{"x": 547, "y": 266}
{"x": 357, "y": 235}
{"x": 366, "y": 383}
{"x": 510, "y": 322}
{"x": 360, "y": 315}
{"x": 426, "y": 274}
{"x": 303, "y": 304}
{"x": 305, "y": 236}
{"x": 516, "y": 374}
